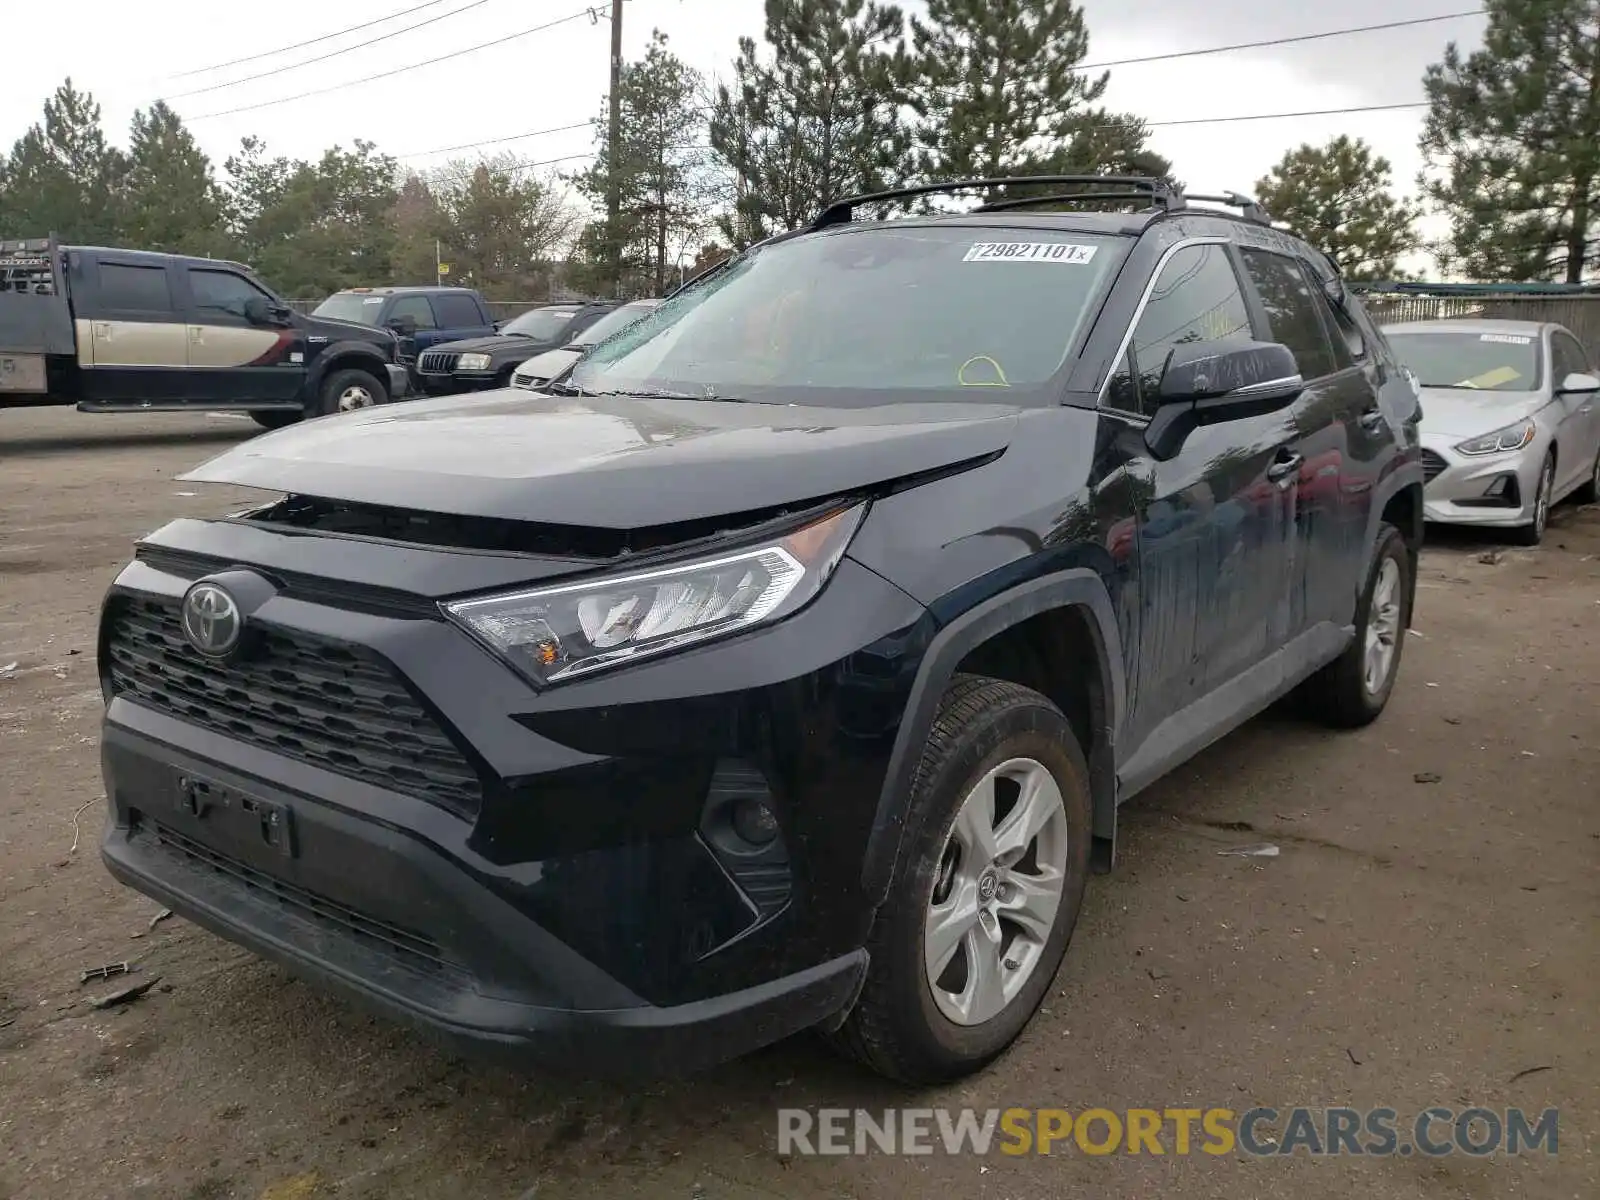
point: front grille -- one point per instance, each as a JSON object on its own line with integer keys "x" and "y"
{"x": 1432, "y": 464}
{"x": 338, "y": 707}
{"x": 414, "y": 949}
{"x": 437, "y": 362}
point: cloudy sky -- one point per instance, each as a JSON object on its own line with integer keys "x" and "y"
{"x": 129, "y": 55}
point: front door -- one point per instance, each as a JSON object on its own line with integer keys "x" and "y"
{"x": 130, "y": 335}
{"x": 1576, "y": 433}
{"x": 232, "y": 360}
{"x": 1214, "y": 521}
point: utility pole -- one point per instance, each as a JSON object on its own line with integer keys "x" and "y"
{"x": 614, "y": 155}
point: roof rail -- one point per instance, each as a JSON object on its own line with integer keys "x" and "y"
{"x": 1156, "y": 191}
{"x": 1249, "y": 209}
{"x": 1059, "y": 198}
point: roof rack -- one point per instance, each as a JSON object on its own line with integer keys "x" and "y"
{"x": 1249, "y": 209}
{"x": 1143, "y": 187}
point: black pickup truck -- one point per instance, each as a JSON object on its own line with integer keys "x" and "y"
{"x": 133, "y": 331}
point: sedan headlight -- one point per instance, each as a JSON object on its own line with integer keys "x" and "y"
{"x": 555, "y": 633}
{"x": 473, "y": 362}
{"x": 1512, "y": 437}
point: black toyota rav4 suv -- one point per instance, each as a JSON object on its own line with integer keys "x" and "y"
{"x": 783, "y": 667}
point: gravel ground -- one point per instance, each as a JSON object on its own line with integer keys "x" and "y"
{"x": 1414, "y": 944}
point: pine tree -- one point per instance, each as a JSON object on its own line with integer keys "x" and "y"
{"x": 62, "y": 177}
{"x": 814, "y": 116}
{"x": 997, "y": 88}
{"x": 659, "y": 170}
{"x": 1338, "y": 198}
{"x": 171, "y": 200}
{"x": 1512, "y": 143}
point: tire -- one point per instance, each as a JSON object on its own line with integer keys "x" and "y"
{"x": 1342, "y": 693}
{"x": 340, "y": 391}
{"x": 1532, "y": 533}
{"x": 899, "y": 1027}
{"x": 275, "y": 418}
{"x": 1590, "y": 492}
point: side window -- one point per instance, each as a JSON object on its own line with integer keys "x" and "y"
{"x": 457, "y": 312}
{"x": 415, "y": 307}
{"x": 222, "y": 291}
{"x": 1196, "y": 298}
{"x": 1293, "y": 316}
{"x": 1567, "y": 357}
{"x": 135, "y": 289}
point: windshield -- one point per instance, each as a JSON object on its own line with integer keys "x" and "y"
{"x": 350, "y": 306}
{"x": 1493, "y": 362}
{"x": 865, "y": 316}
{"x": 541, "y": 324}
{"x": 617, "y": 318}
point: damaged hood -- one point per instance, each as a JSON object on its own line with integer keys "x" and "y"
{"x": 1466, "y": 412}
{"x": 606, "y": 462}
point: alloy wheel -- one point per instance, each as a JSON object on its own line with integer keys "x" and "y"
{"x": 997, "y": 891}
{"x": 354, "y": 397}
{"x": 1383, "y": 627}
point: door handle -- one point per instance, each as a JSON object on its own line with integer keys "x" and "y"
{"x": 1286, "y": 466}
{"x": 1372, "y": 420}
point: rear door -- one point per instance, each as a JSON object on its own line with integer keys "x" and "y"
{"x": 131, "y": 332}
{"x": 1332, "y": 442}
{"x": 232, "y": 360}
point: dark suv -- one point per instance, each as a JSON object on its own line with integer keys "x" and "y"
{"x": 786, "y": 666}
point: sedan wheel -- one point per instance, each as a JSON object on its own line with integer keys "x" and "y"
{"x": 1533, "y": 533}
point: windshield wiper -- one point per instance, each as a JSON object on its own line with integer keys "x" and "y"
{"x": 556, "y": 388}
{"x": 656, "y": 395}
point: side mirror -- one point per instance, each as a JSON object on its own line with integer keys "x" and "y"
{"x": 1578, "y": 384}
{"x": 258, "y": 310}
{"x": 404, "y": 326}
{"x": 1204, "y": 383}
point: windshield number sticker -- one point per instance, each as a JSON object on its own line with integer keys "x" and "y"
{"x": 1050, "y": 252}
{"x": 1509, "y": 339}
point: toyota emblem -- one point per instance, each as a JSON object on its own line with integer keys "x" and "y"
{"x": 211, "y": 620}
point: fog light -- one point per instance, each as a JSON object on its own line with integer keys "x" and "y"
{"x": 754, "y": 822}
{"x": 1498, "y": 487}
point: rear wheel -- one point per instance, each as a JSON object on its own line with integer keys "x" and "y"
{"x": 987, "y": 890}
{"x": 1353, "y": 689}
{"x": 1532, "y": 533}
{"x": 348, "y": 391}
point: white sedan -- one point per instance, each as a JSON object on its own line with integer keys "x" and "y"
{"x": 542, "y": 368}
{"x": 1510, "y": 420}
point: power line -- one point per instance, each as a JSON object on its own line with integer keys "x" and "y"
{"x": 235, "y": 62}
{"x": 1283, "y": 41}
{"x": 515, "y": 137}
{"x": 382, "y": 37}
{"x": 500, "y": 41}
{"x": 1281, "y": 116}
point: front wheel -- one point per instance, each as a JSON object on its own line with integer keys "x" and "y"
{"x": 348, "y": 391}
{"x": 1532, "y": 533}
{"x": 1353, "y": 689}
{"x": 986, "y": 892}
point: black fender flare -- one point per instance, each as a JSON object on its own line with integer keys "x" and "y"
{"x": 1079, "y": 587}
{"x": 1407, "y": 474}
{"x": 338, "y": 356}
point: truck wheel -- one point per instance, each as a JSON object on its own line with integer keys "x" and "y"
{"x": 986, "y": 892}
{"x": 346, "y": 391}
{"x": 1353, "y": 689}
{"x": 275, "y": 418}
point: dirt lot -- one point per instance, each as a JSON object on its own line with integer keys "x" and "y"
{"x": 1415, "y": 943}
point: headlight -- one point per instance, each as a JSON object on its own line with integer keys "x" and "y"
{"x": 555, "y": 633}
{"x": 1512, "y": 437}
{"x": 473, "y": 362}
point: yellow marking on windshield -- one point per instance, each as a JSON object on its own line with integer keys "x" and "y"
{"x": 961, "y": 374}
{"x": 1492, "y": 378}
